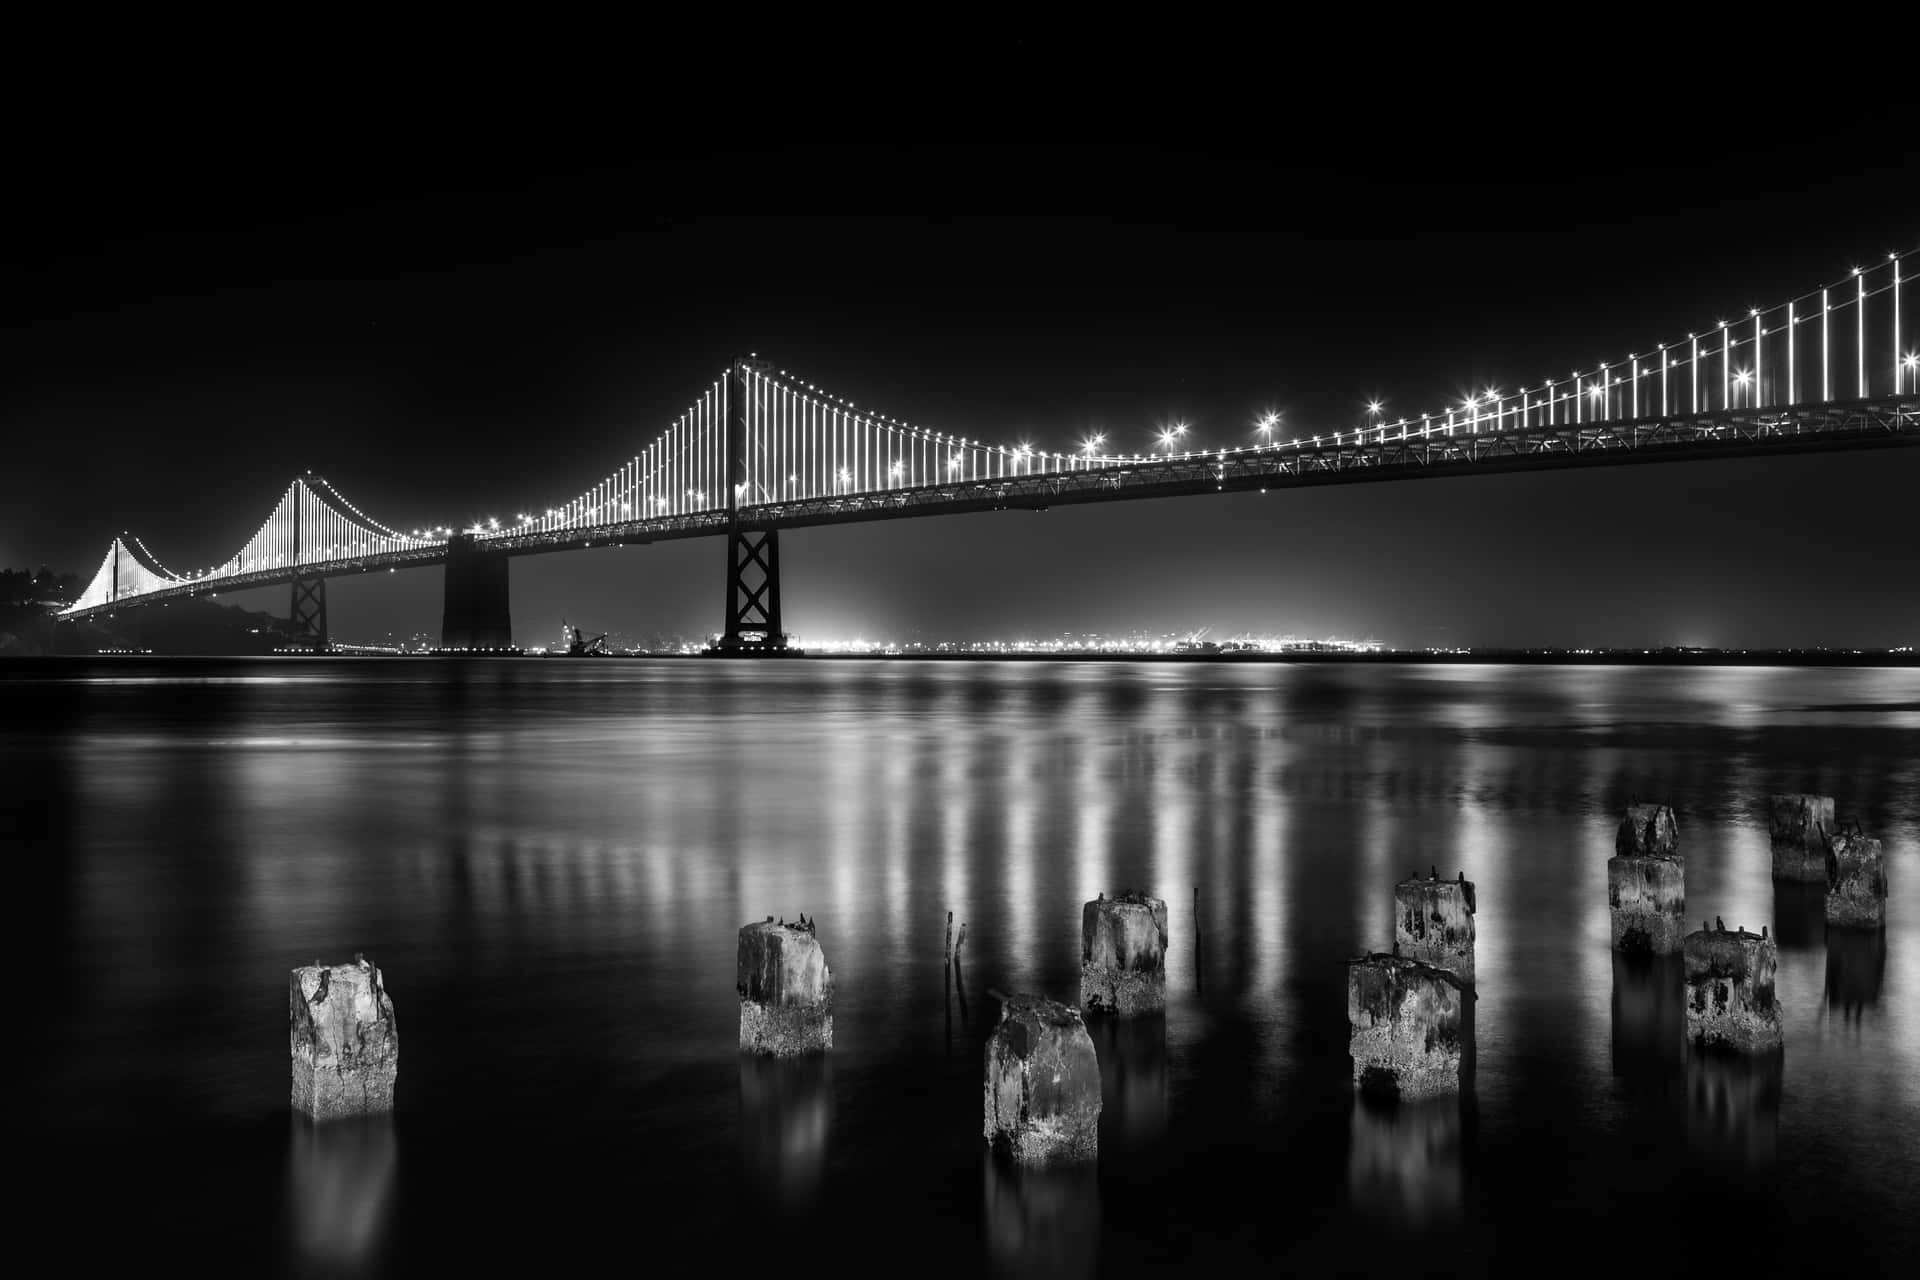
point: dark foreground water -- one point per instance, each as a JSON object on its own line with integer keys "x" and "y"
{"x": 550, "y": 861}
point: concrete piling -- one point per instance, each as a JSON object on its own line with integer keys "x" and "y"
{"x": 1730, "y": 991}
{"x": 344, "y": 1040}
{"x": 1408, "y": 1030}
{"x": 1123, "y": 955}
{"x": 1042, "y": 1097}
{"x": 1801, "y": 831}
{"x": 786, "y": 990}
{"x": 1646, "y": 883}
{"x": 1856, "y": 882}
{"x": 1433, "y": 922}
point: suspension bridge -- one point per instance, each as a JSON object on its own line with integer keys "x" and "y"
{"x": 761, "y": 450}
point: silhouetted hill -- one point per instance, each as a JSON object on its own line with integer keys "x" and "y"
{"x": 28, "y": 627}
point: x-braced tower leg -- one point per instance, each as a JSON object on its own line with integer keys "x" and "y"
{"x": 753, "y": 593}
{"x": 310, "y": 613}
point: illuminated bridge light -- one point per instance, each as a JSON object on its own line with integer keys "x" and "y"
{"x": 823, "y": 446}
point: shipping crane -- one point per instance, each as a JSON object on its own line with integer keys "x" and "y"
{"x": 578, "y": 646}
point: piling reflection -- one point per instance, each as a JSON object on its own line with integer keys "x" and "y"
{"x": 1649, "y": 1019}
{"x": 1469, "y": 1039}
{"x": 1133, "y": 1085}
{"x": 1042, "y": 1221}
{"x": 1404, "y": 1161}
{"x": 1799, "y": 915}
{"x": 785, "y": 1113}
{"x": 1856, "y": 966}
{"x": 1733, "y": 1107}
{"x": 340, "y": 1178}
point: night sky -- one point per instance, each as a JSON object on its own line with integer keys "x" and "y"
{"x": 463, "y": 271}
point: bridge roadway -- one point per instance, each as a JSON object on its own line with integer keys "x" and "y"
{"x": 1380, "y": 454}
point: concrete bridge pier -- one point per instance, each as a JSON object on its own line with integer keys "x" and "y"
{"x": 475, "y": 615}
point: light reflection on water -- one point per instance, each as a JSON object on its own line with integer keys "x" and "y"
{"x": 550, "y": 861}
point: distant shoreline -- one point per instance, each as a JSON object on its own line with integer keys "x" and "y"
{"x": 1488, "y": 657}
{"x": 1521, "y": 657}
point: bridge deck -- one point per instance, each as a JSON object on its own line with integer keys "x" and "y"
{"x": 1381, "y": 455}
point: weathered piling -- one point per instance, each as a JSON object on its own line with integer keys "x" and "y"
{"x": 786, "y": 990}
{"x": 1646, "y": 882}
{"x": 1407, "y": 1033}
{"x": 1433, "y": 921}
{"x": 344, "y": 1040}
{"x": 1042, "y": 1098}
{"x": 1123, "y": 955}
{"x": 1856, "y": 882}
{"x": 1801, "y": 831}
{"x": 1730, "y": 996}
{"x": 1647, "y": 831}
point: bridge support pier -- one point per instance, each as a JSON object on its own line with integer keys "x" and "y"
{"x": 753, "y": 555}
{"x": 475, "y": 614}
{"x": 753, "y": 595}
{"x": 309, "y": 613}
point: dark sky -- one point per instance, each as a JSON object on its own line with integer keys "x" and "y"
{"x": 464, "y": 270}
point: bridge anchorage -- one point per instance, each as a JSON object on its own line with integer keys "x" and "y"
{"x": 760, "y": 450}
{"x": 474, "y": 615}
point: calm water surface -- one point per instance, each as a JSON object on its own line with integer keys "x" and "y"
{"x": 550, "y": 861}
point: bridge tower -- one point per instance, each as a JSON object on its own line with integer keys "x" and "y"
{"x": 309, "y": 610}
{"x": 753, "y": 555}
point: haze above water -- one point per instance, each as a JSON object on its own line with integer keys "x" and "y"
{"x": 550, "y": 860}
